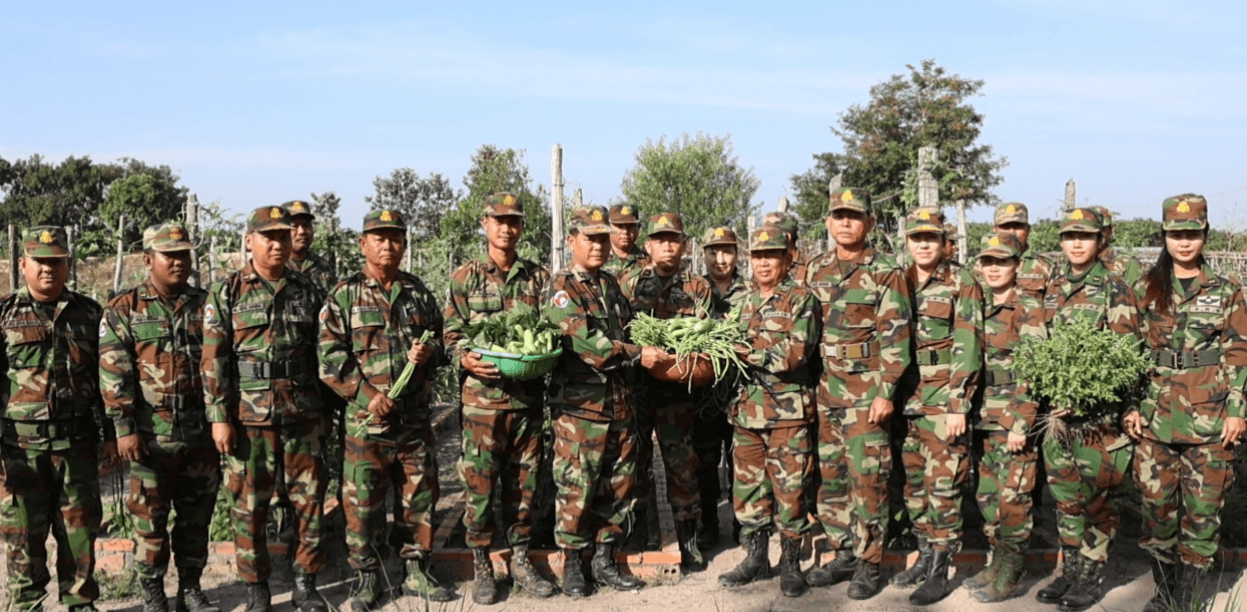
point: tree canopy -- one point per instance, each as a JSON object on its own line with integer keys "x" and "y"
{"x": 422, "y": 201}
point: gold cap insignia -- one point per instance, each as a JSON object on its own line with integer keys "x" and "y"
{"x": 297, "y": 206}
{"x": 596, "y": 216}
{"x": 846, "y": 196}
{"x": 995, "y": 241}
{"x": 275, "y": 213}
{"x": 625, "y": 211}
{"x": 924, "y": 215}
{"x": 45, "y": 237}
{"x": 1076, "y": 215}
{"x": 386, "y": 216}
{"x": 1011, "y": 209}
{"x": 508, "y": 201}
{"x": 718, "y": 232}
{"x": 763, "y": 237}
{"x": 175, "y": 235}
{"x": 1183, "y": 207}
{"x": 664, "y": 221}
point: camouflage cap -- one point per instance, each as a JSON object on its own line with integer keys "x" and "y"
{"x": 784, "y": 221}
{"x": 1106, "y": 216}
{"x": 768, "y": 238}
{"x": 950, "y": 231}
{"x": 503, "y": 204}
{"x": 167, "y": 238}
{"x": 589, "y": 220}
{"x": 1001, "y": 244}
{"x": 624, "y": 214}
{"x": 384, "y": 219}
{"x": 666, "y": 223}
{"x": 850, "y": 198}
{"x": 1012, "y": 212}
{"x": 267, "y": 218}
{"x": 719, "y": 235}
{"x": 1186, "y": 211}
{"x": 1081, "y": 220}
{"x": 924, "y": 221}
{"x": 45, "y": 241}
{"x": 299, "y": 208}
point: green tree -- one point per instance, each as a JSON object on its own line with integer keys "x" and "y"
{"x": 422, "y": 201}
{"x": 881, "y": 138}
{"x": 493, "y": 170}
{"x": 1135, "y": 233}
{"x": 69, "y": 193}
{"x": 697, "y": 176}
{"x": 338, "y": 244}
{"x": 146, "y": 195}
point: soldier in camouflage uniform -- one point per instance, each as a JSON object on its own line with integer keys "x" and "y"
{"x": 1192, "y": 419}
{"x": 1004, "y": 443}
{"x": 502, "y": 418}
{"x": 302, "y": 259}
{"x": 865, "y": 350}
{"x": 626, "y": 257}
{"x": 595, "y": 445}
{"x": 259, "y": 383}
{"x": 370, "y": 329}
{"x": 53, "y": 417}
{"x": 712, "y": 431}
{"x": 1035, "y": 268}
{"x": 1081, "y": 476}
{"x": 948, "y": 355}
{"x": 1124, "y": 265}
{"x": 772, "y": 449}
{"x": 791, "y": 227}
{"x": 150, "y": 348}
{"x": 663, "y": 290}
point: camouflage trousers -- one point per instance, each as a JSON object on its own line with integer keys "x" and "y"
{"x": 502, "y": 446}
{"x": 1193, "y": 475}
{"x": 854, "y": 462}
{"x": 57, "y": 491}
{"x": 711, "y": 433}
{"x": 771, "y": 468}
{"x": 262, "y": 456}
{"x": 173, "y": 476}
{"x": 372, "y": 466}
{"x": 673, "y": 426}
{"x": 594, "y": 469}
{"x": 1006, "y": 480}
{"x": 936, "y": 470}
{"x": 1081, "y": 478}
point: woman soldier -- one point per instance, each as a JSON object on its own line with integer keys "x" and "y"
{"x": 1086, "y": 466}
{"x": 1193, "y": 321}
{"x": 1008, "y": 459}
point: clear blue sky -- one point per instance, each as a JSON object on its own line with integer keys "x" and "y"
{"x": 255, "y": 104}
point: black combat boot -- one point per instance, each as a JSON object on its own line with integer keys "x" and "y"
{"x": 1086, "y": 591}
{"x": 605, "y": 571}
{"x": 525, "y": 575}
{"x": 574, "y": 584}
{"x": 154, "y": 598}
{"x": 691, "y": 558}
{"x": 1184, "y": 592}
{"x": 191, "y": 597}
{"x": 484, "y": 588}
{"x": 420, "y": 582}
{"x": 756, "y": 565}
{"x": 1072, "y": 567}
{"x": 1166, "y": 577}
{"x": 1007, "y": 582}
{"x": 258, "y": 598}
{"x": 306, "y": 598}
{"x": 709, "y": 536}
{"x": 840, "y": 569}
{"x": 367, "y": 593}
{"x": 791, "y": 580}
{"x": 935, "y": 587}
{"x": 912, "y": 576}
{"x": 867, "y": 581}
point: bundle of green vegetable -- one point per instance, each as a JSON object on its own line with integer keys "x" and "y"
{"x": 690, "y": 336}
{"x": 1081, "y": 368}
{"x": 519, "y": 331}
{"x": 401, "y": 383}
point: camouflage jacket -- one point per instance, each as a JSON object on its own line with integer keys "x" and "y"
{"x": 150, "y": 352}
{"x": 316, "y": 268}
{"x": 622, "y": 269}
{"x": 723, "y": 303}
{"x": 799, "y": 269}
{"x": 259, "y": 355}
{"x": 594, "y": 376}
{"x": 782, "y": 336}
{"x": 865, "y": 328}
{"x": 1032, "y": 276}
{"x": 1125, "y": 266}
{"x": 365, "y": 333}
{"x": 1201, "y": 360}
{"x": 947, "y": 342}
{"x": 53, "y": 395}
{"x": 682, "y": 294}
{"x": 1007, "y": 402}
{"x": 478, "y": 291}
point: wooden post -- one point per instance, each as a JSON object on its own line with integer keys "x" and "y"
{"x": 928, "y": 188}
{"x": 408, "y": 254}
{"x": 963, "y": 238}
{"x": 13, "y": 246}
{"x": 783, "y": 204}
{"x": 192, "y": 227}
{"x": 117, "y": 266}
{"x": 242, "y": 250}
{"x": 73, "y": 268}
{"x": 1070, "y": 192}
{"x": 578, "y": 198}
{"x": 556, "y": 209}
{"x": 212, "y": 262}
{"x": 835, "y": 183}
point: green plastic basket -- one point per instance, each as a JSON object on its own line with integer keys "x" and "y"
{"x": 521, "y": 367}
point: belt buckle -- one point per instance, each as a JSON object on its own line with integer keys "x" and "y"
{"x": 854, "y": 351}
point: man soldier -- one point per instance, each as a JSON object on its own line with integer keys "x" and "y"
{"x": 371, "y": 329}
{"x": 937, "y": 393}
{"x": 53, "y": 416}
{"x": 1124, "y": 265}
{"x": 259, "y": 383}
{"x": 950, "y": 244}
{"x": 151, "y": 342}
{"x": 665, "y": 291}
{"x": 502, "y": 418}
{"x": 865, "y": 350}
{"x": 302, "y": 259}
{"x": 772, "y": 446}
{"x": 1035, "y": 269}
{"x": 719, "y": 248}
{"x": 625, "y": 257}
{"x": 791, "y": 227}
{"x": 595, "y": 445}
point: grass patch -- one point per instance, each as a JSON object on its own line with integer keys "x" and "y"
{"x": 118, "y": 586}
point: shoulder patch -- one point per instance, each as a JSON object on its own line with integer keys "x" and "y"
{"x": 209, "y": 313}
{"x": 103, "y": 328}
{"x": 561, "y": 299}
{"x": 324, "y": 313}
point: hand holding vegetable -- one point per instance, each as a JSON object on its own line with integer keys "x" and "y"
{"x": 652, "y": 356}
{"x": 478, "y": 367}
{"x": 410, "y": 368}
{"x": 381, "y": 405}
{"x": 1016, "y": 442}
{"x": 419, "y": 352}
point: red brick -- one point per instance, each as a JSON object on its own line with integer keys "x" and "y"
{"x": 110, "y": 564}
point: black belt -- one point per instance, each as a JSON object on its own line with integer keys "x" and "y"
{"x": 1185, "y": 360}
{"x": 59, "y": 429}
{"x": 996, "y": 379}
{"x": 276, "y": 370}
